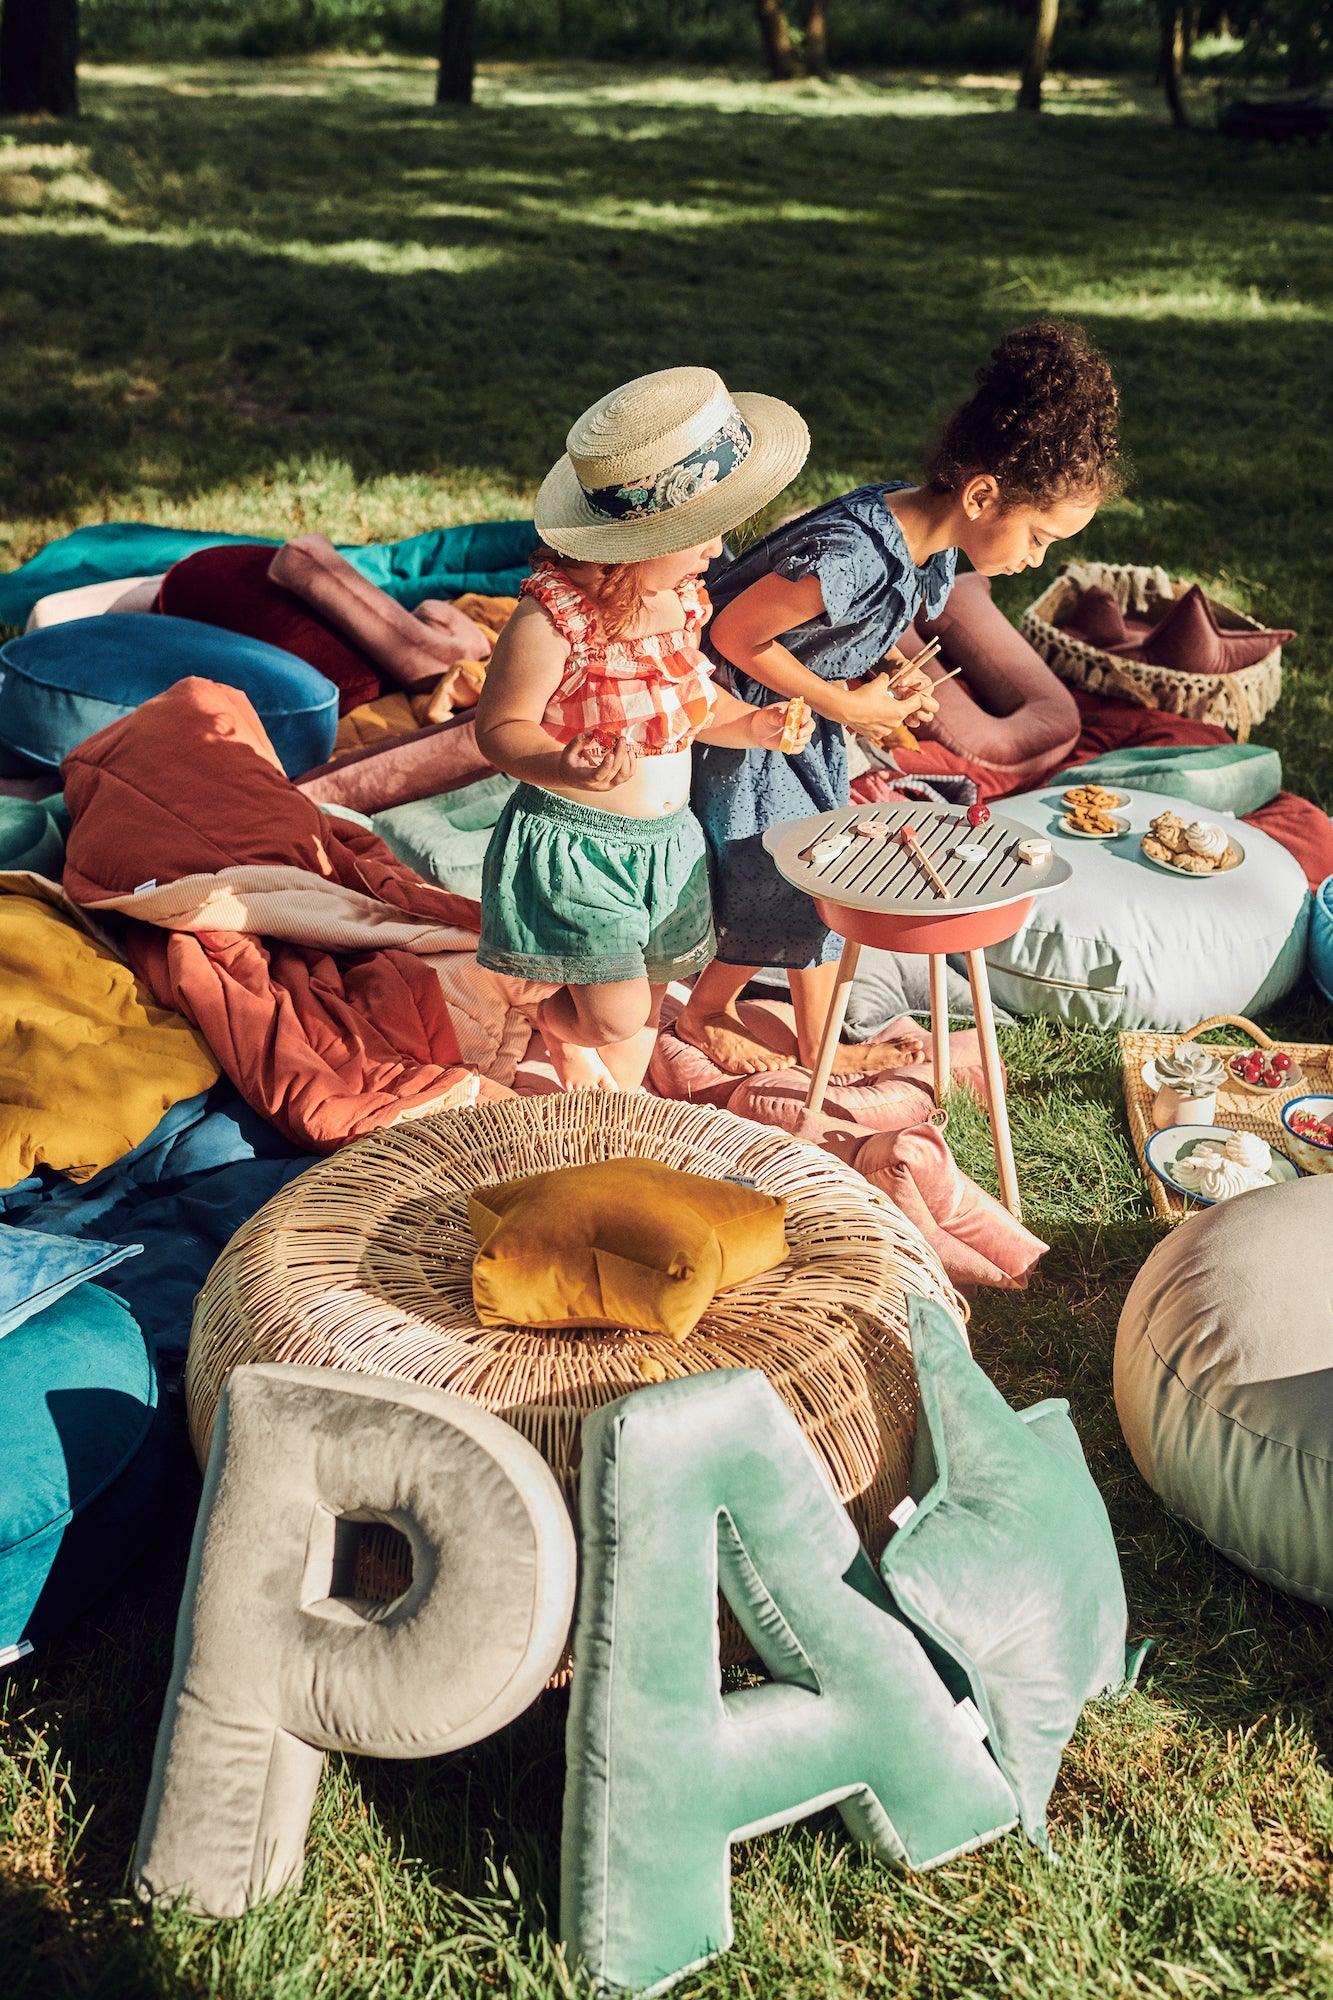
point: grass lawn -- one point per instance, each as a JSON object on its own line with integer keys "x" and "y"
{"x": 281, "y": 297}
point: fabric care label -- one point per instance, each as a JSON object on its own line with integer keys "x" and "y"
{"x": 143, "y": 887}
{"x": 903, "y": 1512}
{"x": 972, "y": 1716}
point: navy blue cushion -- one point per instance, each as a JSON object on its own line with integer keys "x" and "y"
{"x": 84, "y": 1452}
{"x": 60, "y": 684}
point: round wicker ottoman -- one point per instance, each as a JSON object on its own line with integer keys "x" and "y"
{"x": 364, "y": 1263}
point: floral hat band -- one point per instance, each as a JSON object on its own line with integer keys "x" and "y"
{"x": 667, "y": 462}
{"x": 705, "y": 467}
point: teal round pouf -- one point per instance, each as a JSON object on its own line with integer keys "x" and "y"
{"x": 1224, "y": 1380}
{"x": 1321, "y": 938}
{"x": 60, "y": 684}
{"x": 85, "y": 1449}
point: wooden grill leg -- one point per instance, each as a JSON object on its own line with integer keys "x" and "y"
{"x": 833, "y": 1020}
{"x": 994, "y": 1075}
{"x": 939, "y": 1025}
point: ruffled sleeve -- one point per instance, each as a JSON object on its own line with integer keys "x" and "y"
{"x": 939, "y": 579}
{"x": 840, "y": 554}
{"x": 565, "y": 606}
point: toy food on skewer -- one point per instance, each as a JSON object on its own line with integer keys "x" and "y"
{"x": 872, "y": 829}
{"x": 1033, "y": 853}
{"x": 793, "y": 724}
{"x": 911, "y": 840}
{"x": 978, "y": 814}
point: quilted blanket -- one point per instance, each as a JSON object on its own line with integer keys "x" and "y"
{"x": 336, "y": 989}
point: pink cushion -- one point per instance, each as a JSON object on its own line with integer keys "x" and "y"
{"x": 680, "y": 1070}
{"x": 978, "y": 1242}
{"x": 412, "y": 652}
{"x": 230, "y": 586}
{"x": 1007, "y": 710}
{"x": 439, "y": 758}
{"x": 889, "y": 1102}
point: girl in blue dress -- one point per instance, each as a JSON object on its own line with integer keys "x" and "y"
{"x": 813, "y": 610}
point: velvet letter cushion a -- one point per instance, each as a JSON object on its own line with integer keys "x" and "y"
{"x": 623, "y": 1243}
{"x": 1006, "y": 1568}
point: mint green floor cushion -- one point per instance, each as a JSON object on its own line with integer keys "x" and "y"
{"x": 445, "y": 838}
{"x": 1007, "y": 1567}
{"x": 1321, "y": 938}
{"x": 85, "y": 1449}
{"x": 1226, "y": 778}
{"x": 1224, "y": 1380}
{"x": 60, "y": 684}
{"x": 683, "y": 1488}
{"x": 1126, "y": 945}
{"x": 30, "y": 839}
{"x": 277, "y": 1661}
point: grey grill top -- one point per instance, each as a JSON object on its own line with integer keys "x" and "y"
{"x": 880, "y": 874}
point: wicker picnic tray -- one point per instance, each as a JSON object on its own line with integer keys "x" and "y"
{"x": 1239, "y": 1109}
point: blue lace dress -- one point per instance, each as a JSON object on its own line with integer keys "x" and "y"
{"x": 872, "y": 590}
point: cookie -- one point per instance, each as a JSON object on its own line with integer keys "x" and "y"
{"x": 1192, "y": 864}
{"x": 1154, "y": 849}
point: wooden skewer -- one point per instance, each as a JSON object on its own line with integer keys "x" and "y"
{"x": 911, "y": 841}
{"x": 922, "y": 659}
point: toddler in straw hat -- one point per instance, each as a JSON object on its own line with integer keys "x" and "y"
{"x": 595, "y": 891}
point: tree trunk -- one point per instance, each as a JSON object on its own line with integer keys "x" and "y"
{"x": 1172, "y": 59}
{"x": 775, "y": 38}
{"x": 458, "y": 52}
{"x": 1039, "y": 55}
{"x": 816, "y": 37}
{"x": 39, "y": 54}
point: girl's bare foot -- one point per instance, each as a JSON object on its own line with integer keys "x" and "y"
{"x": 871, "y": 1058}
{"x": 741, "y": 1047}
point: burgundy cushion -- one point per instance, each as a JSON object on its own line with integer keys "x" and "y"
{"x": 1190, "y": 639}
{"x": 1097, "y": 618}
{"x": 229, "y": 586}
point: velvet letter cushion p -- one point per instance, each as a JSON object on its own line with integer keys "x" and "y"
{"x": 623, "y": 1243}
{"x": 1007, "y": 1568}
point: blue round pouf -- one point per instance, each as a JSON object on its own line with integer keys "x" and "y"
{"x": 85, "y": 1449}
{"x": 1321, "y": 938}
{"x": 60, "y": 684}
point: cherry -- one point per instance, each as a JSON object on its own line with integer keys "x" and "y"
{"x": 978, "y": 814}
{"x": 1281, "y": 1060}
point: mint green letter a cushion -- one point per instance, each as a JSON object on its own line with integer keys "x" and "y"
{"x": 275, "y": 1663}
{"x": 1008, "y": 1564}
{"x": 686, "y": 1487}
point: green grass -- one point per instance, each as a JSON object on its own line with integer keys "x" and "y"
{"x": 274, "y": 297}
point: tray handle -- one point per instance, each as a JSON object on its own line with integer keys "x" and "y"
{"x": 1232, "y": 1021}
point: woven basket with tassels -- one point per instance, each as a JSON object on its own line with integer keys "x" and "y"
{"x": 364, "y": 1262}
{"x": 1235, "y": 701}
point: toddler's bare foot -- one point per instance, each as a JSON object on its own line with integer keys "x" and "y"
{"x": 735, "y": 1046}
{"x": 579, "y": 1068}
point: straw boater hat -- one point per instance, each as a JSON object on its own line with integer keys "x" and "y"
{"x": 665, "y": 462}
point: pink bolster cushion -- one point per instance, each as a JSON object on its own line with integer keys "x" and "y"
{"x": 412, "y": 652}
{"x": 978, "y": 1242}
{"x": 1006, "y": 709}
{"x": 439, "y": 758}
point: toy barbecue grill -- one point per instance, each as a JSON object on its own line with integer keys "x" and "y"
{"x": 922, "y": 879}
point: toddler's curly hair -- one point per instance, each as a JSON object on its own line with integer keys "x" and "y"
{"x": 1043, "y": 421}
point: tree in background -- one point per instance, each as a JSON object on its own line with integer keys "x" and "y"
{"x": 39, "y": 55}
{"x": 775, "y": 39}
{"x": 1172, "y": 16}
{"x": 458, "y": 52}
{"x": 1038, "y": 55}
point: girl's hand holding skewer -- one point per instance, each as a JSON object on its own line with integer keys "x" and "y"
{"x": 590, "y": 761}
{"x": 875, "y": 708}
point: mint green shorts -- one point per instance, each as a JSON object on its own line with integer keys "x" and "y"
{"x": 574, "y": 896}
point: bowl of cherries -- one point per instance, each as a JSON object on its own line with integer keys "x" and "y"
{"x": 1264, "y": 1071}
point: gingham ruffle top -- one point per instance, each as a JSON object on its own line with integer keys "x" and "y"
{"x": 655, "y": 690}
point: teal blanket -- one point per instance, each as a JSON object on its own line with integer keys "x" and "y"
{"x": 489, "y": 556}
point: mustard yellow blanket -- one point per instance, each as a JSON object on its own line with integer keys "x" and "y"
{"x": 88, "y": 1061}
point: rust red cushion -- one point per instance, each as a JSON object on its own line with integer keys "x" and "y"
{"x": 229, "y": 586}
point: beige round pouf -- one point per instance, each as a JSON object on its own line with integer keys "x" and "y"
{"x": 364, "y": 1262}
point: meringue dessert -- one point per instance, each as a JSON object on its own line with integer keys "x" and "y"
{"x": 1215, "y": 1173}
{"x": 1201, "y": 848}
{"x": 1206, "y": 837}
{"x": 1247, "y": 1149}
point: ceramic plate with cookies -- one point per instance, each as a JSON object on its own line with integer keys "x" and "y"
{"x": 1199, "y": 849}
{"x": 1097, "y": 796}
{"x": 1091, "y": 823}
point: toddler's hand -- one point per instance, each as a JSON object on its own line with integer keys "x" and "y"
{"x": 767, "y": 725}
{"x": 596, "y": 766}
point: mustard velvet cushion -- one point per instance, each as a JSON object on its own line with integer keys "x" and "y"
{"x": 626, "y": 1243}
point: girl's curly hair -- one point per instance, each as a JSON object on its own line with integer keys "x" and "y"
{"x": 1042, "y": 421}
